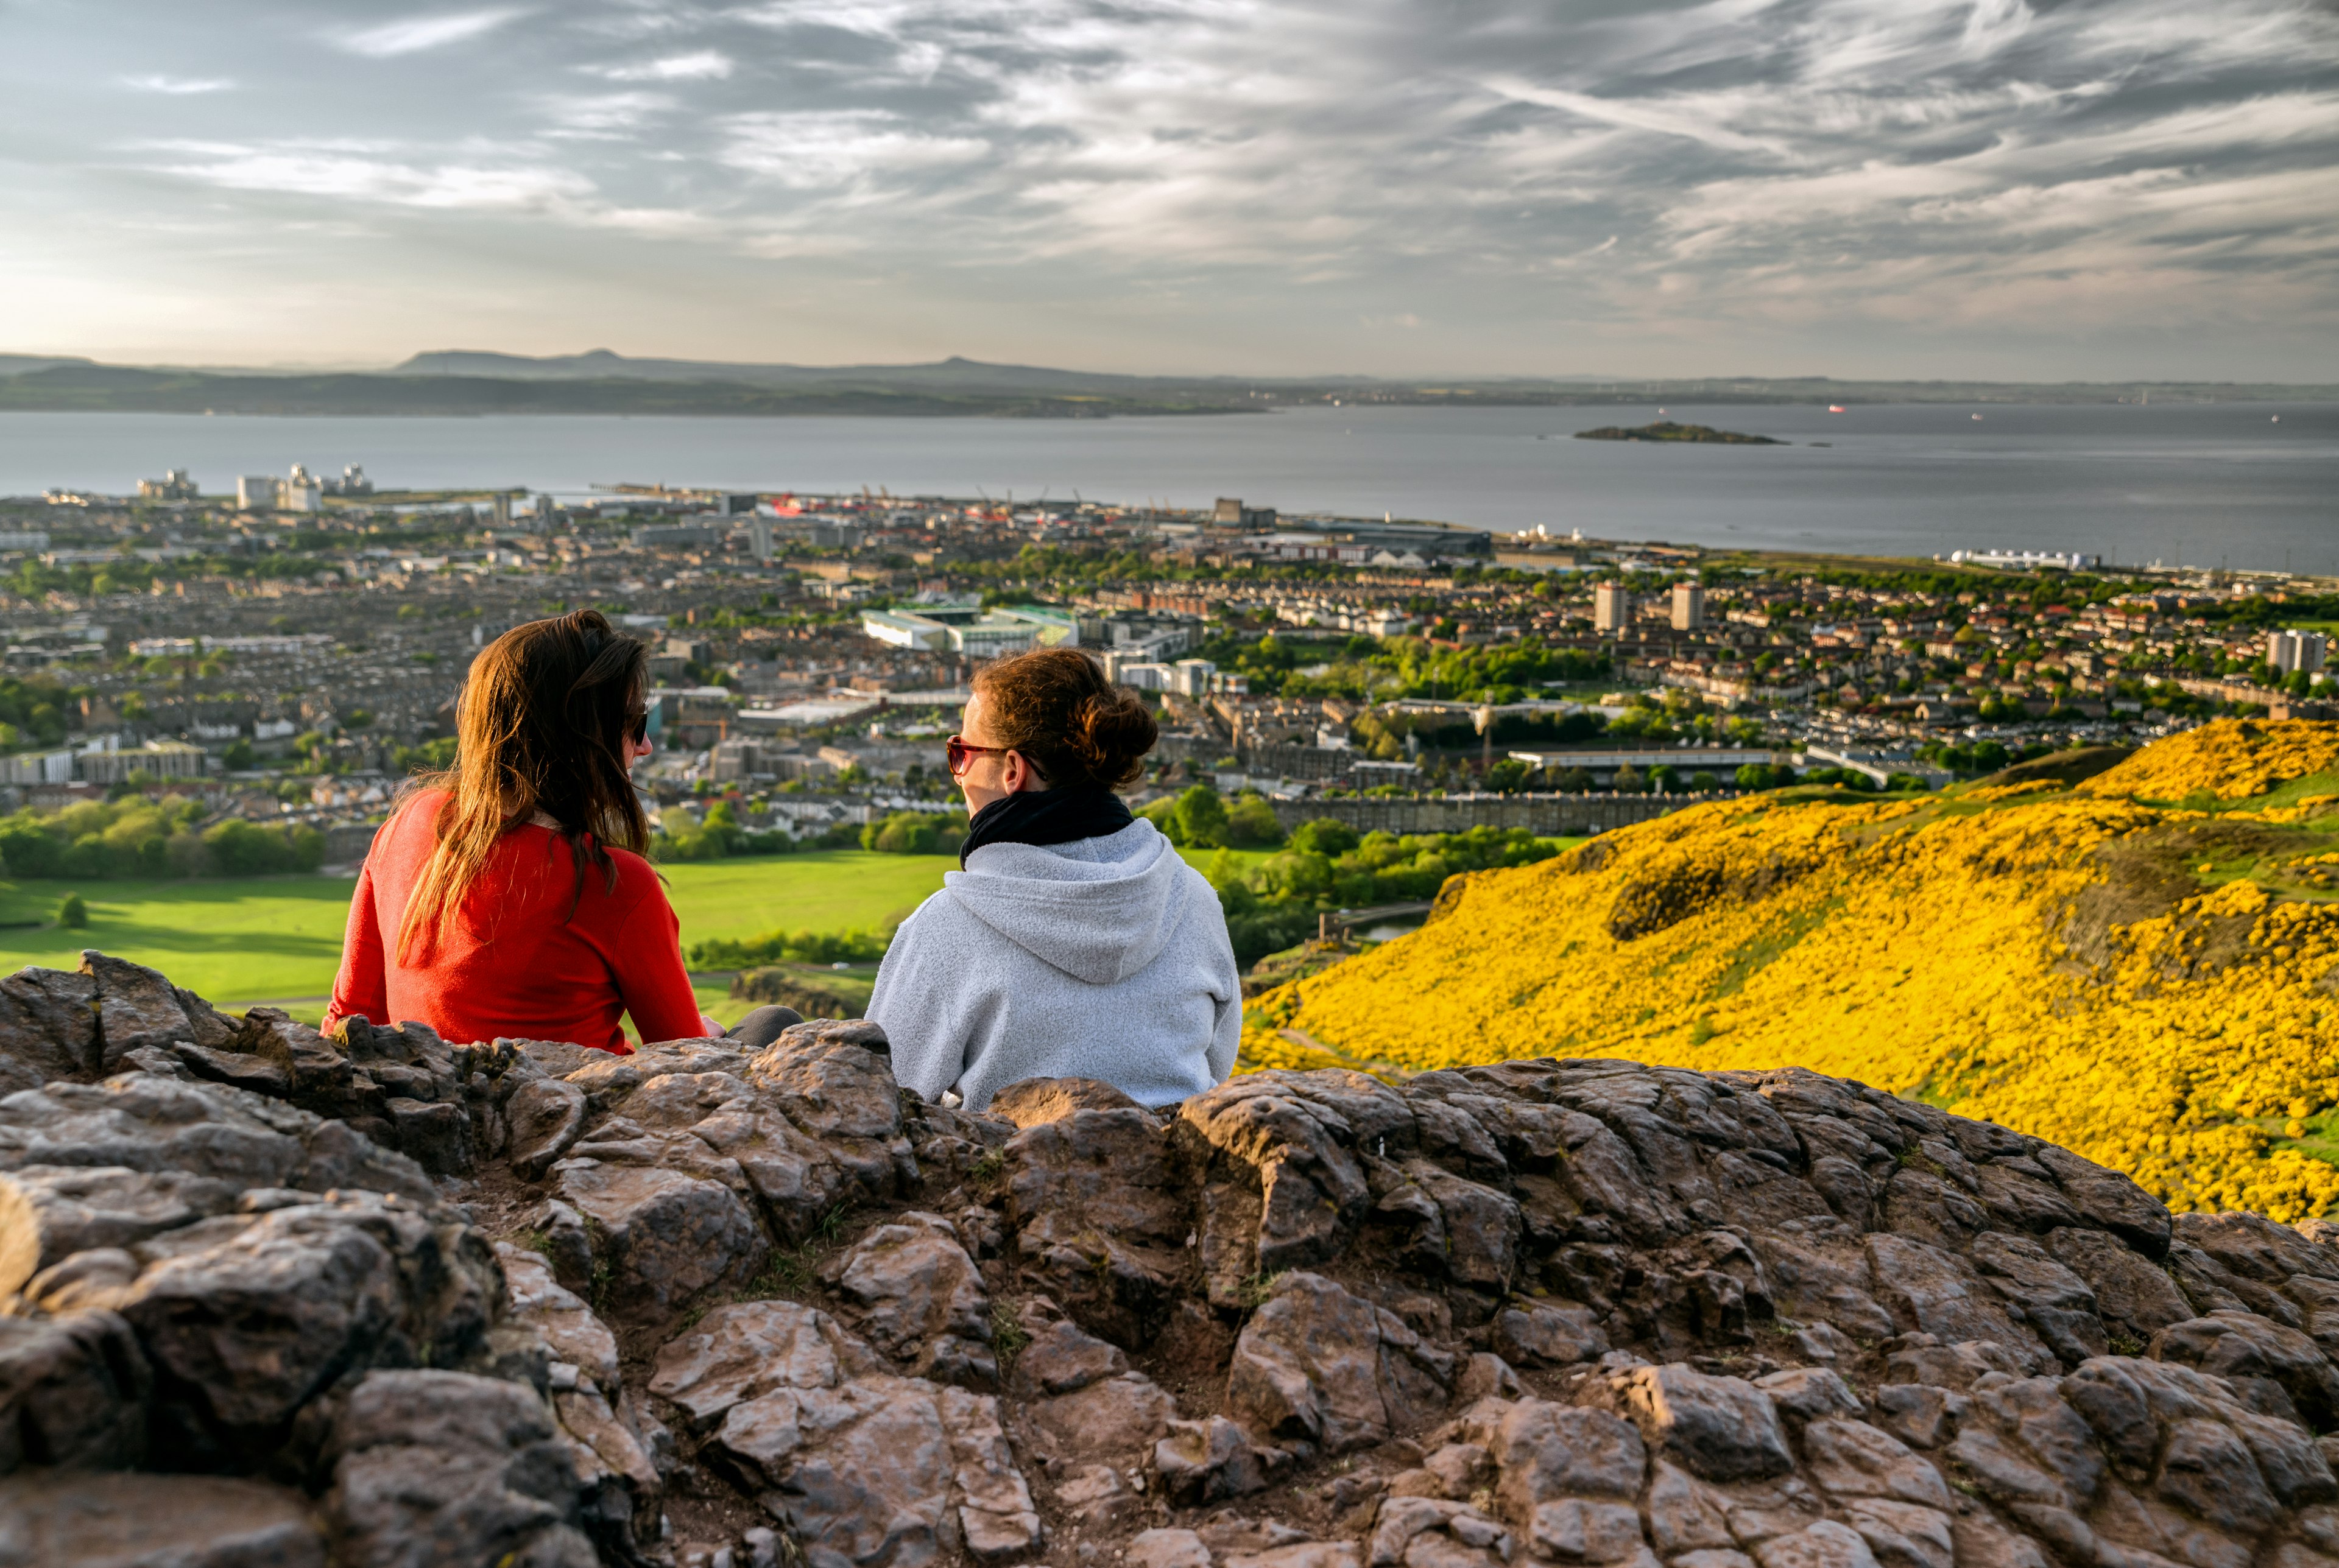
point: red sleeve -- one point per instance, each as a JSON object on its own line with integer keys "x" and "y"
{"x": 363, "y": 984}
{"x": 651, "y": 973}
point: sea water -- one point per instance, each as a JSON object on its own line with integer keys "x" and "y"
{"x": 2239, "y": 485}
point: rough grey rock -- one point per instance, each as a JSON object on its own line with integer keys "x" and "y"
{"x": 1685, "y": 1515}
{"x": 559, "y": 1316}
{"x": 544, "y": 1115}
{"x": 1853, "y": 1459}
{"x": 1723, "y": 1428}
{"x": 1419, "y": 1532}
{"x": 1101, "y": 1215}
{"x": 921, "y": 1299}
{"x": 862, "y": 1466}
{"x": 49, "y": 1519}
{"x": 1580, "y": 1313}
{"x": 1809, "y": 1392}
{"x": 1823, "y": 1544}
{"x": 404, "y": 1086}
{"x": 1036, "y": 1101}
{"x": 2275, "y": 1366}
{"x": 1167, "y": 1549}
{"x": 432, "y": 1467}
{"x": 880, "y": 1469}
{"x": 1204, "y": 1462}
{"x": 137, "y": 1008}
{"x": 663, "y": 1237}
{"x": 1090, "y": 1425}
{"x": 1283, "y": 1187}
{"x": 1903, "y": 1534}
{"x": 1549, "y": 1334}
{"x": 832, "y": 1077}
{"x": 620, "y": 1489}
{"x": 1316, "y": 1365}
{"x": 247, "y": 1318}
{"x": 1547, "y": 1453}
{"x": 1920, "y": 1415}
{"x": 1060, "y": 1357}
{"x": 48, "y": 1028}
{"x": 74, "y": 1393}
{"x": 752, "y": 1349}
{"x": 51, "y": 1212}
{"x": 159, "y": 1127}
{"x": 1092, "y": 1443}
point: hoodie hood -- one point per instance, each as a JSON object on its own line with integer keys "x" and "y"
{"x": 1099, "y": 909}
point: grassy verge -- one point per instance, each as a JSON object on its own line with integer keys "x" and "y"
{"x": 278, "y": 939}
{"x": 249, "y": 940}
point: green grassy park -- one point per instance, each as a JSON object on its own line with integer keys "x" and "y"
{"x": 245, "y": 940}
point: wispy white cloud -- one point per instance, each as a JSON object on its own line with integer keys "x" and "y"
{"x": 303, "y": 171}
{"x": 820, "y": 150}
{"x": 703, "y": 66}
{"x": 414, "y": 35}
{"x": 609, "y": 115}
{"x": 1665, "y": 118}
{"x": 354, "y": 174}
{"x": 179, "y": 86}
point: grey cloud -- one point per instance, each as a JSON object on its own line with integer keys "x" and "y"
{"x": 701, "y": 65}
{"x": 618, "y": 115}
{"x": 368, "y": 176}
{"x": 179, "y": 86}
{"x": 1725, "y": 166}
{"x": 415, "y": 34}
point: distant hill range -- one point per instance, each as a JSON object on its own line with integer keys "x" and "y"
{"x": 467, "y": 383}
{"x": 953, "y": 376}
{"x": 461, "y": 381}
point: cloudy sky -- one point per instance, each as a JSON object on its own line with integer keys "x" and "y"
{"x": 2025, "y": 189}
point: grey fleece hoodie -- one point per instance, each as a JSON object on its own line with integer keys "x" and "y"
{"x": 1103, "y": 958}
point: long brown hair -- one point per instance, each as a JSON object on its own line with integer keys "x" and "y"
{"x": 547, "y": 724}
{"x": 1055, "y": 707}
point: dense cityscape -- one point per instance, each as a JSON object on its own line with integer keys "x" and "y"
{"x": 287, "y": 653}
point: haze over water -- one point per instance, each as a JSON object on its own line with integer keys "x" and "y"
{"x": 2242, "y": 485}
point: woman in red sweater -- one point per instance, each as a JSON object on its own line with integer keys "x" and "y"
{"x": 508, "y": 896}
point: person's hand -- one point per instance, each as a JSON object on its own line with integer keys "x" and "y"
{"x": 709, "y": 1028}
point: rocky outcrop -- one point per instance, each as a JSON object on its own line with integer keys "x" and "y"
{"x": 271, "y": 1296}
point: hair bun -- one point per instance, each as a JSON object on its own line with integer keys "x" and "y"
{"x": 1055, "y": 704}
{"x": 1110, "y": 732}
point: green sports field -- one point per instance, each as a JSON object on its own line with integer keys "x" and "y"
{"x": 278, "y": 939}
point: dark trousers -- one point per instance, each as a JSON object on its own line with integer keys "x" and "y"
{"x": 763, "y": 1026}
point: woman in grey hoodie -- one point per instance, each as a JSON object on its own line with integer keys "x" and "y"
{"x": 1074, "y": 942}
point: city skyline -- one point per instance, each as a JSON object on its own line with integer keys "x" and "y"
{"x": 2109, "y": 189}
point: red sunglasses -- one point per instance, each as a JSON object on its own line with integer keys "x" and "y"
{"x": 958, "y": 756}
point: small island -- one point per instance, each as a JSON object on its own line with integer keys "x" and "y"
{"x": 1667, "y": 430}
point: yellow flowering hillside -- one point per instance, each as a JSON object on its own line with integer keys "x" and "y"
{"x": 2152, "y": 984}
{"x": 2232, "y": 761}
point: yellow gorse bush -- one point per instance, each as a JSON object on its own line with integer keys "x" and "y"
{"x": 2151, "y": 986}
{"x": 2232, "y": 760}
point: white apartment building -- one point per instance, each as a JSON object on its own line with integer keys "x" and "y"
{"x": 1611, "y": 607}
{"x": 1688, "y": 607}
{"x": 2291, "y": 651}
{"x": 1144, "y": 675}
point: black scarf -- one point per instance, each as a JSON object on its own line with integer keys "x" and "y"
{"x": 1046, "y": 816}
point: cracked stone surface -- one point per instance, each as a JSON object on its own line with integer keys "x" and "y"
{"x": 268, "y": 1297}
